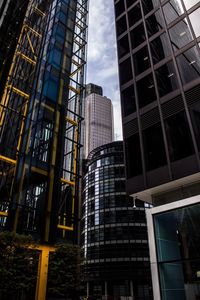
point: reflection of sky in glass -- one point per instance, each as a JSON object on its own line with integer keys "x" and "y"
{"x": 194, "y": 18}
{"x": 189, "y": 3}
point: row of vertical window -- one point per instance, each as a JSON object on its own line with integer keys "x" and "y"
{"x": 171, "y": 7}
{"x": 179, "y": 141}
{"x": 166, "y": 76}
{"x": 118, "y": 233}
{"x": 116, "y": 216}
{"x": 103, "y": 251}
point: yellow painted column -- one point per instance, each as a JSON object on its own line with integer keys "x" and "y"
{"x": 42, "y": 274}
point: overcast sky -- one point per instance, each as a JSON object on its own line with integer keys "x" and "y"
{"x": 102, "y": 57}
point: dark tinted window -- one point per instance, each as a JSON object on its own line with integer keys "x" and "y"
{"x": 154, "y": 23}
{"x": 133, "y": 156}
{"x": 189, "y": 65}
{"x": 137, "y": 36}
{"x": 146, "y": 90}
{"x": 179, "y": 137}
{"x": 166, "y": 79}
{"x": 154, "y": 147}
{"x": 130, "y": 2}
{"x": 148, "y": 5}
{"x": 128, "y": 101}
{"x": 160, "y": 48}
{"x": 119, "y": 8}
{"x": 125, "y": 71}
{"x": 121, "y": 25}
{"x": 134, "y": 15}
{"x": 123, "y": 46}
{"x": 141, "y": 60}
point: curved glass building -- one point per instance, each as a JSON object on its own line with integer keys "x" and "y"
{"x": 114, "y": 233}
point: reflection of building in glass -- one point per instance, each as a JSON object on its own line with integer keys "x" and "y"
{"x": 114, "y": 235}
{"x": 159, "y": 69}
{"x": 99, "y": 127}
{"x": 177, "y": 247}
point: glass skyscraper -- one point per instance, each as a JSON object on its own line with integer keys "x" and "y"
{"x": 159, "y": 68}
{"x": 113, "y": 232}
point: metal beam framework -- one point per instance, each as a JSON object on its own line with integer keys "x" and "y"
{"x": 39, "y": 135}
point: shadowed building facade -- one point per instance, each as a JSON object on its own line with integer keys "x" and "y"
{"x": 159, "y": 70}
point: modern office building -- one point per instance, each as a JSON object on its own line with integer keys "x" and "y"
{"x": 99, "y": 127}
{"x": 114, "y": 233}
{"x": 42, "y": 46}
{"x": 159, "y": 66}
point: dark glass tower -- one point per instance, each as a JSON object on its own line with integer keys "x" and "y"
{"x": 42, "y": 47}
{"x": 159, "y": 68}
{"x": 114, "y": 233}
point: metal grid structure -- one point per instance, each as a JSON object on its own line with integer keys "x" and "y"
{"x": 40, "y": 119}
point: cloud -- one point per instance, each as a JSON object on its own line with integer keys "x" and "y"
{"x": 102, "y": 68}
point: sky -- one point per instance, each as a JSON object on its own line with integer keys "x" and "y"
{"x": 102, "y": 66}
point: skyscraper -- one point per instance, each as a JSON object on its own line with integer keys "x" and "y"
{"x": 42, "y": 82}
{"x": 114, "y": 233}
{"x": 98, "y": 119}
{"x": 159, "y": 66}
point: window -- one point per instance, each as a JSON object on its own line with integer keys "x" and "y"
{"x": 178, "y": 251}
{"x": 125, "y": 71}
{"x": 121, "y": 25}
{"x": 130, "y": 2}
{"x": 133, "y": 156}
{"x": 119, "y": 8}
{"x": 146, "y": 90}
{"x": 172, "y": 10}
{"x": 154, "y": 23}
{"x": 128, "y": 101}
{"x": 137, "y": 36}
{"x": 180, "y": 35}
{"x": 189, "y": 65}
{"x": 149, "y": 5}
{"x": 160, "y": 48}
{"x": 179, "y": 137}
{"x": 166, "y": 79}
{"x": 134, "y": 15}
{"x": 123, "y": 46}
{"x": 141, "y": 60}
{"x": 190, "y": 3}
{"x": 154, "y": 147}
{"x": 194, "y": 18}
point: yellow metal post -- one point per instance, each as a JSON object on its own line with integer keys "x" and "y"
{"x": 43, "y": 272}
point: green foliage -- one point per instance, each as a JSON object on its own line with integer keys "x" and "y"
{"x": 18, "y": 266}
{"x": 64, "y": 279}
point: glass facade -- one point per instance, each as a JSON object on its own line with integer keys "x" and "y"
{"x": 114, "y": 235}
{"x": 159, "y": 68}
{"x": 178, "y": 252}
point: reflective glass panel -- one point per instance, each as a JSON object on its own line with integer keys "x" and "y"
{"x": 178, "y": 250}
{"x": 137, "y": 36}
{"x": 166, "y": 79}
{"x": 190, "y": 3}
{"x": 189, "y": 65}
{"x": 141, "y": 60}
{"x": 154, "y": 23}
{"x": 148, "y": 5}
{"x": 172, "y": 10}
{"x": 146, "y": 90}
{"x": 160, "y": 48}
{"x": 194, "y": 18}
{"x": 180, "y": 35}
